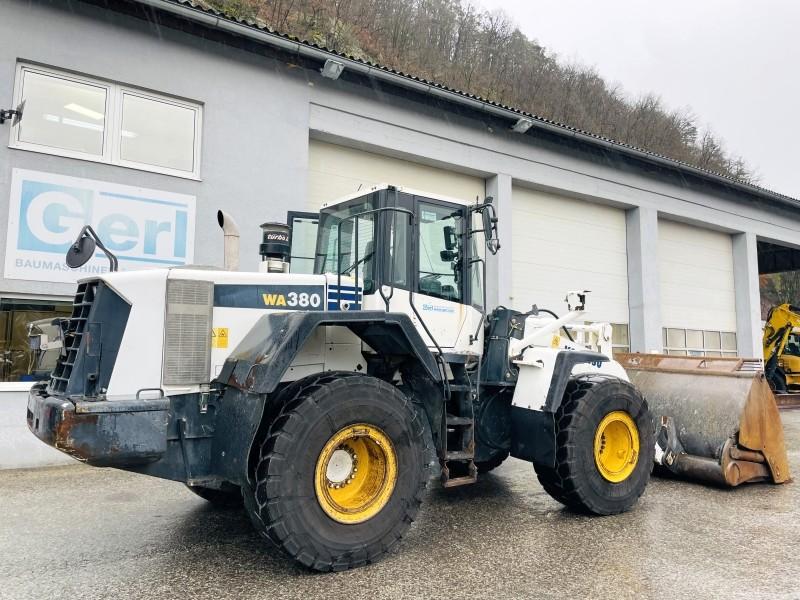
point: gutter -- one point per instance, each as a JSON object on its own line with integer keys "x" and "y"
{"x": 197, "y": 15}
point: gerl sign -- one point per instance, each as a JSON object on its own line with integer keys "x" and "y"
{"x": 144, "y": 228}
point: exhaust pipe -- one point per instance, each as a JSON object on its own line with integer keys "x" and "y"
{"x": 231, "y": 231}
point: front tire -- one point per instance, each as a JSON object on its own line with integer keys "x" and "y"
{"x": 605, "y": 444}
{"x": 341, "y": 474}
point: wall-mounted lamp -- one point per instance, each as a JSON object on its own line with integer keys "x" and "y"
{"x": 332, "y": 69}
{"x": 14, "y": 114}
{"x": 522, "y": 125}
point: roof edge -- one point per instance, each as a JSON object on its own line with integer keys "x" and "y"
{"x": 212, "y": 18}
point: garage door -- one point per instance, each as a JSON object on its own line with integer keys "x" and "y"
{"x": 698, "y": 304}
{"x": 562, "y": 244}
{"x": 335, "y": 171}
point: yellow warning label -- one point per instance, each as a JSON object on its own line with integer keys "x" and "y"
{"x": 219, "y": 337}
{"x": 556, "y": 341}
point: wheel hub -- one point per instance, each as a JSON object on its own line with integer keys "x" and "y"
{"x": 342, "y": 467}
{"x": 616, "y": 446}
{"x": 356, "y": 473}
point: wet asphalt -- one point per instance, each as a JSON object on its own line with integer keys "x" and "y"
{"x": 78, "y": 532}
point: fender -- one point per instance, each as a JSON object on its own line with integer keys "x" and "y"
{"x": 254, "y": 370}
{"x": 259, "y": 362}
{"x": 533, "y": 432}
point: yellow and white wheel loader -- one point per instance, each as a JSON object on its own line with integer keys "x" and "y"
{"x": 325, "y": 401}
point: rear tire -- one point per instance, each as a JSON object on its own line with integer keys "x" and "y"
{"x": 302, "y": 498}
{"x": 576, "y": 480}
{"x": 227, "y": 496}
{"x": 492, "y": 462}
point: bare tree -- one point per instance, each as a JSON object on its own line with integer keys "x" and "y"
{"x": 456, "y": 43}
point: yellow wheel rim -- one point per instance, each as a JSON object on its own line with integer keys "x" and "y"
{"x": 356, "y": 473}
{"x": 616, "y": 446}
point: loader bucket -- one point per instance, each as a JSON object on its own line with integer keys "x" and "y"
{"x": 716, "y": 419}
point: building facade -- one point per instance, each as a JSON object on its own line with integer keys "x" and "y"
{"x": 143, "y": 117}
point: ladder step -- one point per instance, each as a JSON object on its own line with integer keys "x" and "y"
{"x": 459, "y": 455}
{"x": 457, "y": 481}
{"x": 457, "y": 387}
{"x": 453, "y": 421}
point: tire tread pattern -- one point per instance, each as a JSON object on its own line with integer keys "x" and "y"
{"x": 298, "y": 400}
{"x": 561, "y": 481}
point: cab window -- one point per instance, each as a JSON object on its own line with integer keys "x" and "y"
{"x": 356, "y": 253}
{"x": 440, "y": 252}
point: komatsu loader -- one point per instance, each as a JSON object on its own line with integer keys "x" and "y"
{"x": 325, "y": 402}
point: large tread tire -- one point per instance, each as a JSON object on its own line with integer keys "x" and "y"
{"x": 493, "y": 462}
{"x": 283, "y": 504}
{"x": 227, "y": 497}
{"x": 576, "y": 481}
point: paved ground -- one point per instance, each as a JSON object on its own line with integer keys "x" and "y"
{"x": 77, "y": 532}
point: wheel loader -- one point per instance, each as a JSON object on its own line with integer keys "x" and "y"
{"x": 325, "y": 402}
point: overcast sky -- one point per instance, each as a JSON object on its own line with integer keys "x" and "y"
{"x": 734, "y": 62}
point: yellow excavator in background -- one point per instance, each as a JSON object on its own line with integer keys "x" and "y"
{"x": 782, "y": 348}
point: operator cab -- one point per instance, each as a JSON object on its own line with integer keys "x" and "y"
{"x": 405, "y": 251}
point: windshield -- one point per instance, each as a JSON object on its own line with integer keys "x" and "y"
{"x": 793, "y": 345}
{"x": 357, "y": 244}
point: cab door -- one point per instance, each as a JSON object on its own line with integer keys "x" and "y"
{"x": 439, "y": 268}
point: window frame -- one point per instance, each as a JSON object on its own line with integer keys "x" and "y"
{"x": 112, "y": 131}
{"x": 297, "y": 214}
{"x": 705, "y": 350}
{"x": 464, "y": 291}
{"x": 5, "y": 297}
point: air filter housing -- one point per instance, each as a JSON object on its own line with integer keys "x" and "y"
{"x": 275, "y": 248}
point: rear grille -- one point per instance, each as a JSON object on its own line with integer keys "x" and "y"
{"x": 187, "y": 338}
{"x": 84, "y": 298}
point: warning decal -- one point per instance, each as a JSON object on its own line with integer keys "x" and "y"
{"x": 219, "y": 337}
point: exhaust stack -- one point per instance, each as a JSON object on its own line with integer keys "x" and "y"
{"x": 275, "y": 248}
{"x": 231, "y": 231}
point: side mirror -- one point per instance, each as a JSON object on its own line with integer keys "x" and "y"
{"x": 83, "y": 249}
{"x": 490, "y": 227}
{"x": 80, "y": 252}
{"x": 450, "y": 237}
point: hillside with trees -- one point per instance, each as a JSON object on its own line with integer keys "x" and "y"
{"x": 458, "y": 44}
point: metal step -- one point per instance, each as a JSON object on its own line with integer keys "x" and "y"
{"x": 453, "y": 421}
{"x": 471, "y": 477}
{"x": 459, "y": 455}
{"x": 457, "y": 481}
{"x": 457, "y": 387}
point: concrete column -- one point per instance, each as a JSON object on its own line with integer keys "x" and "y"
{"x": 748, "y": 295}
{"x": 644, "y": 297}
{"x": 498, "y": 267}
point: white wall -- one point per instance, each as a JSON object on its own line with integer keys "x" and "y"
{"x": 696, "y": 277}
{"x": 335, "y": 171}
{"x": 563, "y": 244}
{"x": 19, "y": 448}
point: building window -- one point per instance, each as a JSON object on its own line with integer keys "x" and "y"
{"x": 17, "y": 361}
{"x": 620, "y": 341}
{"x": 696, "y": 342}
{"x": 90, "y": 119}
